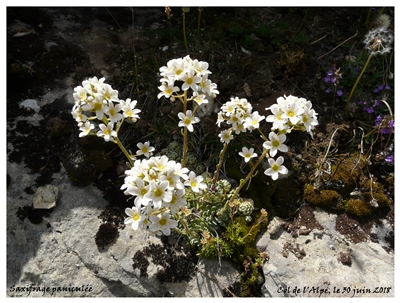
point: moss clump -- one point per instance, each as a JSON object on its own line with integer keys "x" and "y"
{"x": 374, "y": 190}
{"x": 369, "y": 199}
{"x": 358, "y": 207}
{"x": 325, "y": 198}
{"x": 347, "y": 171}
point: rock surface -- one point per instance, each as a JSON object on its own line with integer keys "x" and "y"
{"x": 45, "y": 197}
{"x": 60, "y": 252}
{"x": 324, "y": 263}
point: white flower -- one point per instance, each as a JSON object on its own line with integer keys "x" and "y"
{"x": 145, "y": 149}
{"x": 275, "y": 143}
{"x": 113, "y": 112}
{"x": 277, "y": 119}
{"x": 85, "y": 128}
{"x": 276, "y": 168}
{"x": 98, "y": 106}
{"x": 138, "y": 188}
{"x": 247, "y": 154}
{"x": 167, "y": 89}
{"x": 253, "y": 121}
{"x": 162, "y": 222}
{"x": 200, "y": 98}
{"x": 292, "y": 110}
{"x": 177, "y": 200}
{"x": 195, "y": 182}
{"x": 129, "y": 110}
{"x": 134, "y": 217}
{"x": 187, "y": 120}
{"x": 80, "y": 94}
{"x": 159, "y": 193}
{"x": 78, "y": 116}
{"x": 159, "y": 163}
{"x": 309, "y": 120}
{"x": 177, "y": 69}
{"x": 201, "y": 67}
{"x": 190, "y": 80}
{"x": 107, "y": 132}
{"x": 226, "y": 136}
{"x": 108, "y": 93}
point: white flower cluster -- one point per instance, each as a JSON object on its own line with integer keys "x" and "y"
{"x": 288, "y": 113}
{"x": 96, "y": 99}
{"x": 238, "y": 114}
{"x": 158, "y": 185}
{"x": 190, "y": 74}
{"x": 292, "y": 113}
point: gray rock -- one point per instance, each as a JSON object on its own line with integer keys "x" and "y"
{"x": 326, "y": 264}
{"x": 59, "y": 257}
{"x": 45, "y": 197}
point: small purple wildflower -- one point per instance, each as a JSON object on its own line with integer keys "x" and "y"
{"x": 390, "y": 159}
{"x": 339, "y": 93}
{"x": 328, "y": 90}
{"x": 369, "y": 110}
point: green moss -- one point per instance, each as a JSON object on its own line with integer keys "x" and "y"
{"x": 347, "y": 171}
{"x": 358, "y": 207}
{"x": 374, "y": 191}
{"x": 322, "y": 198}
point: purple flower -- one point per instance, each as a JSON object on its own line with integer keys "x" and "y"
{"x": 339, "y": 93}
{"x": 327, "y": 79}
{"x": 378, "y": 120}
{"x": 390, "y": 159}
{"x": 369, "y": 110}
{"x": 387, "y": 87}
{"x": 328, "y": 90}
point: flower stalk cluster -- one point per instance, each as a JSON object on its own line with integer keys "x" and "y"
{"x": 289, "y": 113}
{"x": 97, "y": 106}
{"x": 160, "y": 186}
{"x": 187, "y": 80}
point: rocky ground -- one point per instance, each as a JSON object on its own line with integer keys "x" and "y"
{"x": 311, "y": 247}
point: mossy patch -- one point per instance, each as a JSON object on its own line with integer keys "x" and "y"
{"x": 325, "y": 198}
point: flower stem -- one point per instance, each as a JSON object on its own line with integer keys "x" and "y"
{"x": 124, "y": 151}
{"x": 221, "y": 160}
{"x": 355, "y": 84}
{"x": 185, "y": 131}
{"x": 184, "y": 33}
{"x": 244, "y": 181}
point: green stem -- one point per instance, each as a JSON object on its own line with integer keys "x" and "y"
{"x": 185, "y": 131}
{"x": 184, "y": 33}
{"x": 124, "y": 151}
{"x": 243, "y": 182}
{"x": 221, "y": 160}
{"x": 355, "y": 84}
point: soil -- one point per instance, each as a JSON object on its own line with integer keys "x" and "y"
{"x": 255, "y": 53}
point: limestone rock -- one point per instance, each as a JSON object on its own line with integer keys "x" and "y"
{"x": 325, "y": 263}
{"x": 45, "y": 197}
